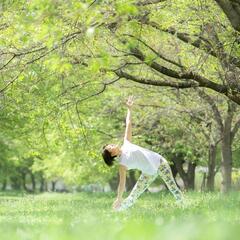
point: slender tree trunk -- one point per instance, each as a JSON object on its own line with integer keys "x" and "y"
{"x": 226, "y": 162}
{"x": 174, "y": 173}
{"x": 42, "y": 184}
{"x": 15, "y": 182}
{"x": 191, "y": 175}
{"x": 46, "y": 185}
{"x": 33, "y": 182}
{"x": 113, "y": 182}
{"x": 203, "y": 185}
{"x": 211, "y": 166}
{"x": 130, "y": 181}
{"x": 226, "y": 150}
{"x": 4, "y": 184}
{"x": 24, "y": 181}
{"x": 187, "y": 177}
{"x": 53, "y": 186}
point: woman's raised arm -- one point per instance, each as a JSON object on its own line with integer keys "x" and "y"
{"x": 128, "y": 130}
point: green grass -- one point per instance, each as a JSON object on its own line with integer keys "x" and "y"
{"x": 89, "y": 216}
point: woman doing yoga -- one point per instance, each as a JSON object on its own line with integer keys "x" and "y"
{"x": 131, "y": 156}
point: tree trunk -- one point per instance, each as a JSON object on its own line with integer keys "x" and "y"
{"x": 211, "y": 166}
{"x": 33, "y": 182}
{"x": 53, "y": 186}
{"x": 191, "y": 176}
{"x": 4, "y": 184}
{"x": 24, "y": 181}
{"x": 226, "y": 163}
{"x": 187, "y": 177}
{"x": 15, "y": 182}
{"x": 46, "y": 185}
{"x": 42, "y": 184}
{"x": 113, "y": 182}
{"x": 226, "y": 150}
{"x": 232, "y": 11}
{"x": 130, "y": 181}
{"x": 203, "y": 185}
{"x": 174, "y": 173}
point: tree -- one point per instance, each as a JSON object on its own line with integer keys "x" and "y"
{"x": 206, "y": 35}
{"x": 57, "y": 57}
{"x": 228, "y": 130}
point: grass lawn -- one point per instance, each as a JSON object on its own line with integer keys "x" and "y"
{"x": 89, "y": 216}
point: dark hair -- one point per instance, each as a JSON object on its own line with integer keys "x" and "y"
{"x": 108, "y": 159}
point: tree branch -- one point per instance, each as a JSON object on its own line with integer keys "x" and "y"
{"x": 125, "y": 75}
{"x": 200, "y": 43}
{"x": 202, "y": 81}
{"x": 232, "y": 11}
{"x": 156, "y": 52}
{"x": 214, "y": 107}
{"x": 149, "y": 2}
{"x": 235, "y": 129}
{"x": 11, "y": 82}
{"x": 64, "y": 41}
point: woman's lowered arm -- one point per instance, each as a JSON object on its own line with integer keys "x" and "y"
{"x": 122, "y": 181}
{"x": 121, "y": 186}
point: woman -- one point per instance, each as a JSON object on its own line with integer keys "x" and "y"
{"x": 131, "y": 156}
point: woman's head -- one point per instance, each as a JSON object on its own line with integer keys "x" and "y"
{"x": 110, "y": 151}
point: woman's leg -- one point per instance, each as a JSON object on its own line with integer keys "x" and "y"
{"x": 166, "y": 174}
{"x": 141, "y": 185}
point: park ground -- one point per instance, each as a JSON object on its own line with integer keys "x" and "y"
{"x": 57, "y": 216}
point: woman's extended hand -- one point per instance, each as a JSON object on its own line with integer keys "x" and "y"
{"x": 117, "y": 203}
{"x": 129, "y": 102}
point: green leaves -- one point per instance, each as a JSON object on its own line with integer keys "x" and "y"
{"x": 126, "y": 8}
{"x": 65, "y": 105}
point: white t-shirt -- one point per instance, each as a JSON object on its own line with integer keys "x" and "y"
{"x": 136, "y": 157}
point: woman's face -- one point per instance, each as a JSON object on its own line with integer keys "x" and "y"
{"x": 113, "y": 149}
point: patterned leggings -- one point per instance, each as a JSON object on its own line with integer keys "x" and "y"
{"x": 144, "y": 181}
